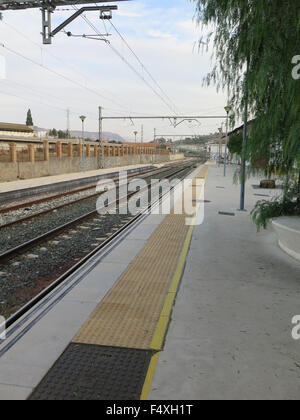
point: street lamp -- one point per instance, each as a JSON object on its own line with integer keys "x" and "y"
{"x": 82, "y": 117}
{"x": 135, "y": 134}
{"x": 228, "y": 108}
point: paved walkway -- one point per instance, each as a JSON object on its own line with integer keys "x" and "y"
{"x": 230, "y": 335}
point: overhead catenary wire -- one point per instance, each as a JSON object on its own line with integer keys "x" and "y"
{"x": 162, "y": 96}
{"x": 140, "y": 76}
{"x": 172, "y": 105}
{"x": 121, "y": 109}
{"x": 25, "y": 99}
{"x": 140, "y": 62}
{"x": 93, "y": 91}
{"x": 41, "y": 64}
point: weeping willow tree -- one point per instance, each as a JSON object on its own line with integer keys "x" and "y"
{"x": 266, "y": 35}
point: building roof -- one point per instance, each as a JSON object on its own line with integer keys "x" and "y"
{"x": 15, "y": 127}
{"x": 239, "y": 129}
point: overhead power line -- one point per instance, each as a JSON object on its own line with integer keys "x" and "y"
{"x": 40, "y": 102}
{"x": 32, "y": 61}
{"x": 172, "y": 106}
{"x": 141, "y": 77}
{"x": 141, "y": 64}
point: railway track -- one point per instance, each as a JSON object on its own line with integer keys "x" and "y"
{"x": 34, "y": 225}
{"x": 6, "y": 207}
{"x": 34, "y": 267}
{"x": 50, "y": 201}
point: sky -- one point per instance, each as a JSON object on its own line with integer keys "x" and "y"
{"x": 82, "y": 74}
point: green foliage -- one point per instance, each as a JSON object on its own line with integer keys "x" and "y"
{"x": 261, "y": 36}
{"x": 287, "y": 204}
{"x": 266, "y": 34}
{"x": 53, "y": 133}
{"x": 235, "y": 144}
{"x": 29, "y": 121}
{"x": 195, "y": 140}
{"x": 59, "y": 133}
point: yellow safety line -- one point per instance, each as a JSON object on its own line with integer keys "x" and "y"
{"x": 162, "y": 326}
{"x": 149, "y": 377}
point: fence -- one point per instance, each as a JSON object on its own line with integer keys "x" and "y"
{"x": 44, "y": 151}
{"x": 23, "y": 160}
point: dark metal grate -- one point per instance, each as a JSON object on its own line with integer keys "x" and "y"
{"x": 224, "y": 213}
{"x": 89, "y": 372}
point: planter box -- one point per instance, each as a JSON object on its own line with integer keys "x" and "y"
{"x": 287, "y": 230}
{"x": 268, "y": 184}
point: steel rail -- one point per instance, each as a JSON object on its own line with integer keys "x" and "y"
{"x": 22, "y": 311}
{"x": 7, "y": 255}
{"x": 43, "y": 200}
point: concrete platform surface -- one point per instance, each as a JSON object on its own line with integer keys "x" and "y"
{"x": 231, "y": 331}
{"x": 37, "y": 182}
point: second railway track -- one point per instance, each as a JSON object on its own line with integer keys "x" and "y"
{"x": 33, "y": 265}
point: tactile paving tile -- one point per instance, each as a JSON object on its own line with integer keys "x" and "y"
{"x": 88, "y": 372}
{"x": 128, "y": 315}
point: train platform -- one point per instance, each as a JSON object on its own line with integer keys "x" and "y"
{"x": 36, "y": 182}
{"x": 230, "y": 337}
{"x": 21, "y": 189}
{"x": 169, "y": 311}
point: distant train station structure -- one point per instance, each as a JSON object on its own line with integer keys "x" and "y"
{"x": 16, "y": 130}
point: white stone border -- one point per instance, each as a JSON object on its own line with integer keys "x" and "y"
{"x": 288, "y": 238}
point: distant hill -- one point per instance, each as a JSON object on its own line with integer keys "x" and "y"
{"x": 94, "y": 135}
{"x": 107, "y": 136}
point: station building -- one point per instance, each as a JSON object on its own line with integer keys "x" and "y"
{"x": 16, "y": 130}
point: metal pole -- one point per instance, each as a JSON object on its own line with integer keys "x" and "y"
{"x": 83, "y": 151}
{"x": 159, "y": 153}
{"x": 220, "y": 139}
{"x": 154, "y": 140}
{"x": 228, "y": 108}
{"x": 167, "y": 117}
{"x": 68, "y": 123}
{"x": 82, "y": 117}
{"x": 225, "y": 158}
{"x": 244, "y": 152}
{"x": 135, "y": 158}
{"x": 100, "y": 138}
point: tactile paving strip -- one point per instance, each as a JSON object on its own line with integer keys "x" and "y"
{"x": 128, "y": 315}
{"x": 88, "y": 372}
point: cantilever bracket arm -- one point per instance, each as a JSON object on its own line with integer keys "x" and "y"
{"x": 186, "y": 119}
{"x": 48, "y": 34}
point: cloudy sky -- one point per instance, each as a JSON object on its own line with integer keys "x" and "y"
{"x": 81, "y": 74}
